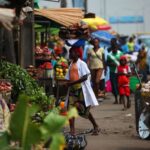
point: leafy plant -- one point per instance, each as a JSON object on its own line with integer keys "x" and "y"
{"x": 29, "y": 134}
{"x": 23, "y": 83}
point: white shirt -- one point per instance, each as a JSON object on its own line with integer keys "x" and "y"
{"x": 89, "y": 96}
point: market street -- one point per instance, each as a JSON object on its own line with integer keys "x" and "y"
{"x": 117, "y": 128}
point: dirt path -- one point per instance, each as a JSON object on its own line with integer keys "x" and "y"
{"x": 117, "y": 128}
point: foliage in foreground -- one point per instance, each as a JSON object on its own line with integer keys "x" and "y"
{"x": 25, "y": 134}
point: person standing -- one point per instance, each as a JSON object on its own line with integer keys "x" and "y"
{"x": 80, "y": 92}
{"x": 95, "y": 62}
{"x": 138, "y": 45}
{"x": 113, "y": 61}
{"x": 131, "y": 45}
{"x": 123, "y": 71}
{"x": 124, "y": 46}
{"x": 142, "y": 64}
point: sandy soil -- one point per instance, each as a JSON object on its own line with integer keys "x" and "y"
{"x": 117, "y": 128}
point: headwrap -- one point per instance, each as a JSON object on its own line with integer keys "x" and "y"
{"x": 123, "y": 58}
{"x": 78, "y": 50}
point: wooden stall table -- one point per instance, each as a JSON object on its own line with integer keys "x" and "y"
{"x": 61, "y": 89}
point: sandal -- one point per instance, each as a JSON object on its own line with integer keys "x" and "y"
{"x": 95, "y": 131}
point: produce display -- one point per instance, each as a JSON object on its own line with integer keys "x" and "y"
{"x": 42, "y": 53}
{"x": 145, "y": 90}
{"x": 47, "y": 68}
{"x": 22, "y": 82}
{"x": 146, "y": 87}
{"x": 38, "y": 52}
{"x": 5, "y": 86}
{"x": 75, "y": 31}
{"x": 61, "y": 68}
{"x": 32, "y": 71}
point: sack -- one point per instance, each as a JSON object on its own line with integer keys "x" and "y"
{"x": 77, "y": 142}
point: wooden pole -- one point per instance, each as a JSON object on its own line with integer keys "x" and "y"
{"x": 27, "y": 40}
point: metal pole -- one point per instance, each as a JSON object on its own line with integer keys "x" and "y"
{"x": 85, "y": 5}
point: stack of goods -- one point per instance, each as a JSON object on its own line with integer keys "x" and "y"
{"x": 42, "y": 53}
{"x": 38, "y": 53}
{"x": 5, "y": 86}
{"x": 46, "y": 53}
{"x": 61, "y": 68}
{"x": 74, "y": 32}
{"x": 47, "y": 70}
{"x": 32, "y": 71}
{"x": 5, "y": 89}
{"x": 58, "y": 48}
{"x": 145, "y": 91}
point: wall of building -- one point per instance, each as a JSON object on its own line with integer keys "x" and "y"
{"x": 116, "y": 8}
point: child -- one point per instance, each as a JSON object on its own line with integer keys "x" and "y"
{"x": 123, "y": 71}
{"x": 80, "y": 92}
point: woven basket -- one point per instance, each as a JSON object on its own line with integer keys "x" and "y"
{"x": 146, "y": 96}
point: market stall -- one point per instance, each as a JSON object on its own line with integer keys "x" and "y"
{"x": 50, "y": 53}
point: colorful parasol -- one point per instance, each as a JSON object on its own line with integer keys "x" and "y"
{"x": 102, "y": 35}
{"x": 97, "y": 23}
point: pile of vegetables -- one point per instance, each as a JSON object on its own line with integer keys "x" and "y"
{"x": 23, "y": 83}
{"x": 5, "y": 86}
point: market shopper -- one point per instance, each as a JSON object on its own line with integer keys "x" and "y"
{"x": 113, "y": 42}
{"x": 80, "y": 92}
{"x": 142, "y": 63}
{"x": 113, "y": 61}
{"x": 131, "y": 45}
{"x": 123, "y": 71}
{"x": 95, "y": 62}
{"x": 138, "y": 45}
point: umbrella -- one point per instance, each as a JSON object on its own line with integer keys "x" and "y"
{"x": 102, "y": 35}
{"x": 97, "y": 23}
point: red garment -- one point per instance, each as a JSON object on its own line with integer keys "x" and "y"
{"x": 123, "y": 57}
{"x": 79, "y": 51}
{"x": 124, "y": 90}
{"x": 123, "y": 80}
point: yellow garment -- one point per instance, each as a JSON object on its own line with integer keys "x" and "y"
{"x": 131, "y": 46}
{"x": 96, "y": 59}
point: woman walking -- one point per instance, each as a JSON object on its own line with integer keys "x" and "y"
{"x": 95, "y": 62}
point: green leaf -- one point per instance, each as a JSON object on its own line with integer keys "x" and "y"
{"x": 54, "y": 123}
{"x": 33, "y": 136}
{"x": 4, "y": 141}
{"x": 57, "y": 141}
{"x": 21, "y": 127}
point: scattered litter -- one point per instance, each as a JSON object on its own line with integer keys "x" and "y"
{"x": 130, "y": 126}
{"x": 128, "y": 115}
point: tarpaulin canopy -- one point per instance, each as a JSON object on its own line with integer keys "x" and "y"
{"x": 40, "y": 28}
{"x": 102, "y": 35}
{"x": 63, "y": 16}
